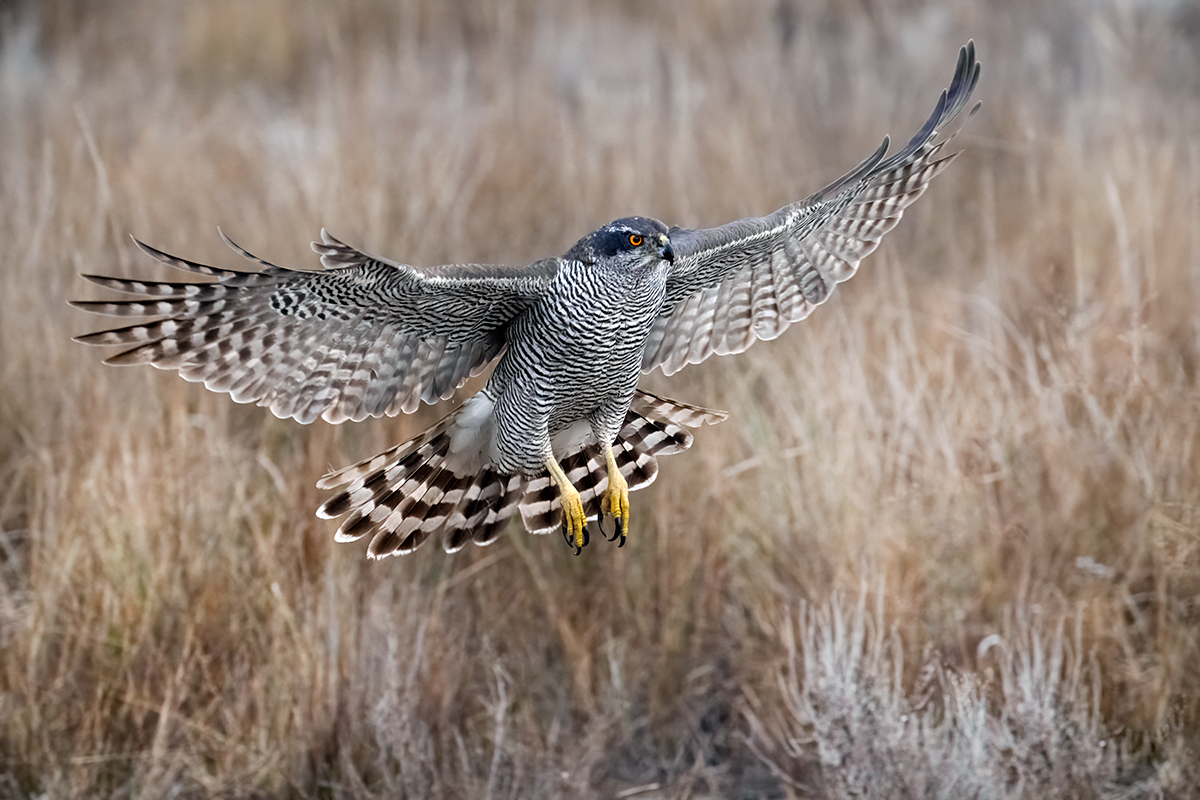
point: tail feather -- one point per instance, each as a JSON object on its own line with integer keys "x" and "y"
{"x": 409, "y": 493}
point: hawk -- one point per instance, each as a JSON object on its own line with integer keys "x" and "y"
{"x": 560, "y": 432}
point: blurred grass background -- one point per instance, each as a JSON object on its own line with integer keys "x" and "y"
{"x": 948, "y": 543}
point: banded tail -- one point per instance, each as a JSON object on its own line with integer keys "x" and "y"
{"x": 409, "y": 493}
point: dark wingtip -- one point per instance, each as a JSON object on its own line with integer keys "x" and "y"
{"x": 949, "y": 105}
{"x": 153, "y": 252}
{"x": 230, "y": 243}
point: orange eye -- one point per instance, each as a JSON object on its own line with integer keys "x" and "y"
{"x": 635, "y": 240}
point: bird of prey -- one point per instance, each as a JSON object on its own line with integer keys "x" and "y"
{"x": 560, "y": 431}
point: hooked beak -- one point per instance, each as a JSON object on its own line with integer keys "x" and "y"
{"x": 665, "y": 251}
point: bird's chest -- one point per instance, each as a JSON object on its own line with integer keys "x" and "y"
{"x": 602, "y": 325}
{"x": 583, "y": 346}
{"x": 574, "y": 357}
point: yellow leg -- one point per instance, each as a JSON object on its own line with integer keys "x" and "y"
{"x": 616, "y": 498}
{"x": 574, "y": 520}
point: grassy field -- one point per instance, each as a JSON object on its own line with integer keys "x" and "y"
{"x": 947, "y": 544}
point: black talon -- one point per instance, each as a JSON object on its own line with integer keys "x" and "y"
{"x": 618, "y": 530}
{"x": 571, "y": 539}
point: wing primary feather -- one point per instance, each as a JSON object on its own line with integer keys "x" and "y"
{"x": 165, "y": 290}
{"x": 183, "y": 263}
{"x": 243, "y": 252}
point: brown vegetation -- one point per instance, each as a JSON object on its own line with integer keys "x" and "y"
{"x": 948, "y": 543}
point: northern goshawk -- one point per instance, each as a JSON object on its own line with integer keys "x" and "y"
{"x": 560, "y": 431}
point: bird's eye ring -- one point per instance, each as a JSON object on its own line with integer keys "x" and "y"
{"x": 635, "y": 240}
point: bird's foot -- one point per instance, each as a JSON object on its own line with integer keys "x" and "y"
{"x": 574, "y": 520}
{"x": 616, "y": 502}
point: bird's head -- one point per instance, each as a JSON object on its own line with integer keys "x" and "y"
{"x": 628, "y": 243}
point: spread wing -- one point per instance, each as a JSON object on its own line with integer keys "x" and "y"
{"x": 359, "y": 338}
{"x": 751, "y": 279}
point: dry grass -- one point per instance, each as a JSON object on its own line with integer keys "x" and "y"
{"x": 947, "y": 545}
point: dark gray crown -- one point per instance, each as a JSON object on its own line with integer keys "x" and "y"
{"x": 613, "y": 239}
